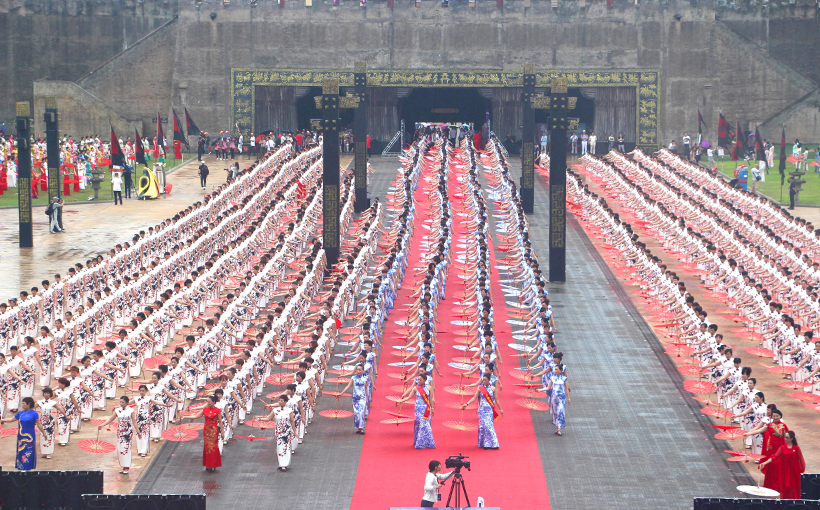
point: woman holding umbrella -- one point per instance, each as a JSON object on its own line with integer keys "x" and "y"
{"x": 126, "y": 426}
{"x": 558, "y": 389}
{"x": 26, "y": 449}
{"x": 360, "y": 383}
{"x": 488, "y": 411}
{"x": 285, "y": 427}
{"x": 423, "y": 410}
{"x": 211, "y": 457}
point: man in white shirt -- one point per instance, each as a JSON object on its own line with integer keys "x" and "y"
{"x": 116, "y": 185}
{"x": 432, "y": 485}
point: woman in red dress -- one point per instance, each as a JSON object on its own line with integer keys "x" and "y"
{"x": 211, "y": 458}
{"x": 789, "y": 463}
{"x": 774, "y": 436}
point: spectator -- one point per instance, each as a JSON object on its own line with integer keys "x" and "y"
{"x": 792, "y": 192}
{"x": 611, "y": 142}
{"x": 544, "y": 141}
{"x": 51, "y": 212}
{"x": 584, "y": 142}
{"x": 116, "y": 186}
{"x": 573, "y": 140}
{"x": 710, "y": 153}
{"x": 593, "y": 141}
{"x": 203, "y": 174}
{"x": 673, "y": 147}
{"x": 126, "y": 180}
{"x": 621, "y": 145}
{"x": 686, "y": 144}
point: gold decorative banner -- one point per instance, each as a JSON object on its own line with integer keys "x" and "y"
{"x": 645, "y": 81}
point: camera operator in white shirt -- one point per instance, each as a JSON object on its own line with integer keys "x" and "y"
{"x": 432, "y": 485}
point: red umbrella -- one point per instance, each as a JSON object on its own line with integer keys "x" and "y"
{"x": 530, "y": 393}
{"x": 693, "y": 370}
{"x": 717, "y": 413}
{"x": 180, "y": 434}
{"x": 782, "y": 370}
{"x": 460, "y": 425}
{"x": 397, "y": 415}
{"x": 279, "y": 379}
{"x": 743, "y": 456}
{"x": 96, "y": 446}
{"x": 730, "y": 435}
{"x": 698, "y": 387}
{"x": 814, "y": 406}
{"x": 397, "y": 421}
{"x": 795, "y": 385}
{"x": 805, "y": 397}
{"x": 724, "y": 427}
{"x": 534, "y": 405}
{"x": 253, "y": 438}
{"x": 707, "y": 401}
{"x": 760, "y": 352}
{"x": 335, "y": 413}
{"x": 337, "y": 394}
{"x": 458, "y": 389}
{"x": 523, "y": 375}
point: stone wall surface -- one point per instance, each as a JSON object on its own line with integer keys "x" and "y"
{"x": 80, "y": 112}
{"x": 739, "y": 58}
{"x": 64, "y": 40}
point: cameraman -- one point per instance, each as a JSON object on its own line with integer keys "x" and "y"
{"x": 432, "y": 485}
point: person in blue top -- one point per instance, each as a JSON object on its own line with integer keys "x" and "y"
{"x": 560, "y": 397}
{"x": 361, "y": 386}
{"x": 26, "y": 449}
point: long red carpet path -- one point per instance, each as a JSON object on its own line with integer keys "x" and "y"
{"x": 391, "y": 471}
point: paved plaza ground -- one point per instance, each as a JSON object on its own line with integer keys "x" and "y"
{"x": 634, "y": 438}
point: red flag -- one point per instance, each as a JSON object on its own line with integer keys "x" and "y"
{"x": 116, "y": 151}
{"x": 139, "y": 150}
{"x": 179, "y": 135}
{"x": 723, "y": 131}
{"x": 760, "y": 153}
{"x": 739, "y": 148}
{"x": 189, "y": 124}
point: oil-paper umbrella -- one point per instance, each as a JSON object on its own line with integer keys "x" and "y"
{"x": 96, "y": 446}
{"x": 760, "y": 352}
{"x": 805, "y": 397}
{"x": 698, "y": 387}
{"x": 180, "y": 434}
{"x": 738, "y": 456}
{"x": 730, "y": 435}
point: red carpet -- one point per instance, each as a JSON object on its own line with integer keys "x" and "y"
{"x": 391, "y": 472}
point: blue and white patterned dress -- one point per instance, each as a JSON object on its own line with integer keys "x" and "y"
{"x": 422, "y": 432}
{"x": 558, "y": 399}
{"x": 486, "y": 428}
{"x": 360, "y": 383}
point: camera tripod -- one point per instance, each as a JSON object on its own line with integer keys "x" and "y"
{"x": 456, "y": 489}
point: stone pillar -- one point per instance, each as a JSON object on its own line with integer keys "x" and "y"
{"x": 558, "y": 180}
{"x": 527, "y": 137}
{"x": 52, "y": 148}
{"x": 360, "y": 133}
{"x": 330, "y": 169}
{"x": 24, "y": 173}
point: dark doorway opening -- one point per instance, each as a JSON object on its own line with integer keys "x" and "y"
{"x": 445, "y": 105}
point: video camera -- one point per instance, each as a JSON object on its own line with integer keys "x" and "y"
{"x": 457, "y": 462}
